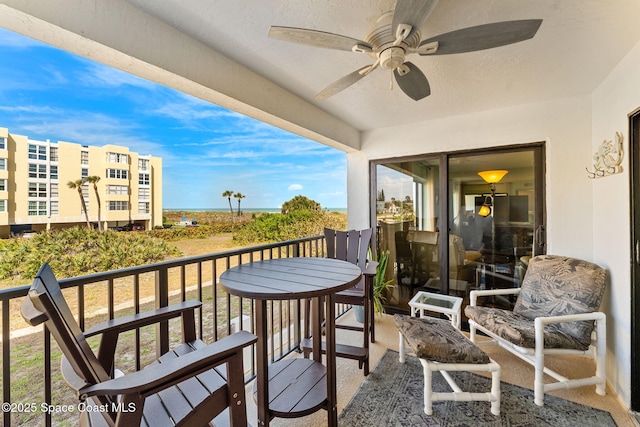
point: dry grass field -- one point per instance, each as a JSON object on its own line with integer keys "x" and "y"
{"x": 218, "y": 243}
{"x": 207, "y": 217}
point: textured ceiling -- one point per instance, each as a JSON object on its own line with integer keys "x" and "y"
{"x": 578, "y": 44}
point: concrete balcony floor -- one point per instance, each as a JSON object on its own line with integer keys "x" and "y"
{"x": 514, "y": 371}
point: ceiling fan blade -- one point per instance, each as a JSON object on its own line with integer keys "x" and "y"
{"x": 318, "y": 38}
{"x": 412, "y": 82}
{"x": 412, "y": 12}
{"x": 343, "y": 83}
{"x": 485, "y": 36}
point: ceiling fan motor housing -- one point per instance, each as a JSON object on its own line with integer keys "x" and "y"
{"x": 391, "y": 58}
{"x": 383, "y": 40}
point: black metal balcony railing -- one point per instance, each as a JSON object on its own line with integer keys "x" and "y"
{"x": 33, "y": 390}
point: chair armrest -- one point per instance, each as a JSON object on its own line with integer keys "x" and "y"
{"x": 127, "y": 323}
{"x": 370, "y": 268}
{"x": 473, "y": 295}
{"x": 31, "y": 314}
{"x": 157, "y": 377}
{"x": 539, "y": 322}
{"x": 111, "y": 329}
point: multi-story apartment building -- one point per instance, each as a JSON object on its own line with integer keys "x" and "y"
{"x": 34, "y": 193}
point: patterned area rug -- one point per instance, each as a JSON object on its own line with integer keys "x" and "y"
{"x": 392, "y": 395}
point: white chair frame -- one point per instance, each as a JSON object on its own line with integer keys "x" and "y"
{"x": 457, "y": 394}
{"x": 535, "y": 356}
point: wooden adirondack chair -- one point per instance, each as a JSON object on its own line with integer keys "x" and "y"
{"x": 352, "y": 246}
{"x": 190, "y": 385}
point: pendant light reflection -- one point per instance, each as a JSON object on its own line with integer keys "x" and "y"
{"x": 485, "y": 209}
{"x": 491, "y": 177}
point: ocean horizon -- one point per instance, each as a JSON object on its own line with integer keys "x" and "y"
{"x": 276, "y": 210}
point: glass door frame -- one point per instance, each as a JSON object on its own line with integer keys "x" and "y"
{"x": 539, "y": 211}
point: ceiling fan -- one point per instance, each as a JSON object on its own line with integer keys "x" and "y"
{"x": 397, "y": 34}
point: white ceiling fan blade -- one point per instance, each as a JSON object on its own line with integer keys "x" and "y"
{"x": 343, "y": 83}
{"x": 413, "y": 13}
{"x": 318, "y": 39}
{"x": 412, "y": 81}
{"x": 482, "y": 37}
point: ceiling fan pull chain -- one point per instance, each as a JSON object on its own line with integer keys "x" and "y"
{"x": 391, "y": 80}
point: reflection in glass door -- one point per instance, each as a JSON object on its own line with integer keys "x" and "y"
{"x": 407, "y": 217}
{"x": 491, "y": 220}
{"x": 489, "y": 233}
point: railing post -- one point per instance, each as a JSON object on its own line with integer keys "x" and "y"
{"x": 162, "y": 300}
{"x": 297, "y": 336}
{"x": 48, "y": 383}
{"x": 6, "y": 361}
{"x": 296, "y": 249}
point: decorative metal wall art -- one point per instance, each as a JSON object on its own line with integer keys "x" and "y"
{"x": 607, "y": 160}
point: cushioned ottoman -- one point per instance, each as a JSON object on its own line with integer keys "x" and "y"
{"x": 441, "y": 347}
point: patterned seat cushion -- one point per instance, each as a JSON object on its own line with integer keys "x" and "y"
{"x": 520, "y": 330}
{"x": 437, "y": 340}
{"x": 556, "y": 285}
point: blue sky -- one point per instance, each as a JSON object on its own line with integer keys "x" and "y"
{"x": 47, "y": 93}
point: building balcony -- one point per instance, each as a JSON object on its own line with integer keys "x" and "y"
{"x": 31, "y": 359}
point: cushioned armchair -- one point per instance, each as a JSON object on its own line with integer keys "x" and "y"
{"x": 555, "y": 313}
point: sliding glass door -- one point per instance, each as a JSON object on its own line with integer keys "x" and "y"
{"x": 407, "y": 206}
{"x": 493, "y": 202}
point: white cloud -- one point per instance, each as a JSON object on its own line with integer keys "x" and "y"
{"x": 101, "y": 76}
{"x": 29, "y": 109}
{"x": 13, "y": 40}
{"x": 294, "y": 187}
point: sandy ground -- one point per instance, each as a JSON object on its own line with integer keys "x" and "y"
{"x": 217, "y": 243}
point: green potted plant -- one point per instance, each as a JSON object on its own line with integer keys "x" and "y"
{"x": 380, "y": 285}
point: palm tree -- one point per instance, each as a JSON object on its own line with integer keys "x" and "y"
{"x": 228, "y": 194}
{"x": 239, "y": 196}
{"x": 77, "y": 184}
{"x": 94, "y": 180}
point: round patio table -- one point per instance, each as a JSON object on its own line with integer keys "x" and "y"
{"x": 294, "y": 387}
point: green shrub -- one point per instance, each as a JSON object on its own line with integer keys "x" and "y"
{"x": 78, "y": 251}
{"x": 270, "y": 227}
{"x": 300, "y": 203}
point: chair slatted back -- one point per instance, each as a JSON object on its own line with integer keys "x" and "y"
{"x": 45, "y": 303}
{"x": 403, "y": 247}
{"x": 352, "y": 245}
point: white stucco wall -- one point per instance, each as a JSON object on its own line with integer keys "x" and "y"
{"x": 613, "y": 101}
{"x": 586, "y": 218}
